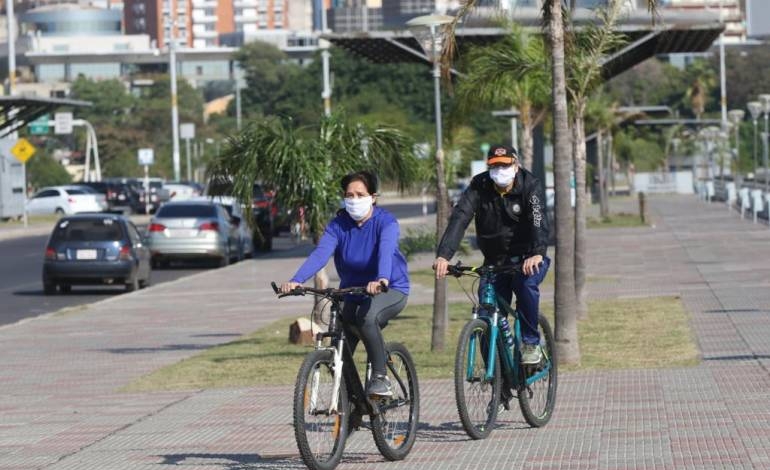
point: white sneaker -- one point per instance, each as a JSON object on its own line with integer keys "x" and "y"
{"x": 531, "y": 354}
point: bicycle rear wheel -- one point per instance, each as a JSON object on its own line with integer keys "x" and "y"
{"x": 477, "y": 398}
{"x": 538, "y": 399}
{"x": 320, "y": 433}
{"x": 395, "y": 427}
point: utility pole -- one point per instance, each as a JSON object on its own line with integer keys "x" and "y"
{"x": 722, "y": 78}
{"x": 11, "y": 48}
{"x": 326, "y": 94}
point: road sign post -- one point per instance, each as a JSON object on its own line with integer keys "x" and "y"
{"x": 146, "y": 158}
{"x": 23, "y": 151}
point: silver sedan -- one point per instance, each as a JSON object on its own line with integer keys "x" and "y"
{"x": 191, "y": 230}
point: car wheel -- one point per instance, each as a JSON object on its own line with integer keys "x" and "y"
{"x": 49, "y": 288}
{"x": 65, "y": 288}
{"x": 132, "y": 284}
{"x": 267, "y": 244}
{"x": 225, "y": 259}
{"x": 59, "y": 211}
{"x": 158, "y": 263}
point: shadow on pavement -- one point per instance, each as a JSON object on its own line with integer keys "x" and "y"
{"x": 232, "y": 461}
{"x": 167, "y": 347}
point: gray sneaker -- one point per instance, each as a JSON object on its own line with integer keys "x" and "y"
{"x": 531, "y": 354}
{"x": 380, "y": 386}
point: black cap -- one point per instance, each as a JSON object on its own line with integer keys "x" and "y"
{"x": 501, "y": 154}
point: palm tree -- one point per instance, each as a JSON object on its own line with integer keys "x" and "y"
{"x": 601, "y": 115}
{"x": 307, "y": 164}
{"x": 585, "y": 61}
{"x": 511, "y": 72}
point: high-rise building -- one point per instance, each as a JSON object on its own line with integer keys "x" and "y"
{"x": 200, "y": 23}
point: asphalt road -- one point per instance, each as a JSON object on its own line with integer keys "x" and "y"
{"x": 21, "y": 264}
{"x": 21, "y": 290}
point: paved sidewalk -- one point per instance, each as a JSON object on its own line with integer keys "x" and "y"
{"x": 60, "y": 407}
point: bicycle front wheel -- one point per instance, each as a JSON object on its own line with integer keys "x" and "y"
{"x": 538, "y": 398}
{"x": 395, "y": 427}
{"x": 477, "y": 398}
{"x": 319, "y": 431}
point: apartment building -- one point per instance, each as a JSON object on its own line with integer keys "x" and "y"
{"x": 200, "y": 23}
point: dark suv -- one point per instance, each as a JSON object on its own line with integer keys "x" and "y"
{"x": 263, "y": 210}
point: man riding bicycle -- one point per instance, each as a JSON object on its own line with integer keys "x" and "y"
{"x": 508, "y": 205}
{"x": 364, "y": 241}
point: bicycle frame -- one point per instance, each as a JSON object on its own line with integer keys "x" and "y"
{"x": 510, "y": 364}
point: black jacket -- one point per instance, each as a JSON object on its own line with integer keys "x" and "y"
{"x": 513, "y": 224}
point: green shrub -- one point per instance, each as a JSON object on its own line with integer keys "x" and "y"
{"x": 424, "y": 241}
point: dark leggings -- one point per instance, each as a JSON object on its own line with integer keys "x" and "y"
{"x": 364, "y": 317}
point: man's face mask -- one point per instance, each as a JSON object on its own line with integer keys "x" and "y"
{"x": 503, "y": 175}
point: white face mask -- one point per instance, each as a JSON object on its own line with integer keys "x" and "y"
{"x": 503, "y": 176}
{"x": 358, "y": 207}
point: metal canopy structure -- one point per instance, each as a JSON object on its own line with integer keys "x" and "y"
{"x": 675, "y": 33}
{"x": 17, "y": 111}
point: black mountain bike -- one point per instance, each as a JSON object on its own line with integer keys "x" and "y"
{"x": 330, "y": 399}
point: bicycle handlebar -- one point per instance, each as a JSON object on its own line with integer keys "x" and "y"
{"x": 328, "y": 292}
{"x": 458, "y": 269}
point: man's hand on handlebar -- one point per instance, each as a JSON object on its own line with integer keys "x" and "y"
{"x": 441, "y": 266}
{"x": 287, "y": 287}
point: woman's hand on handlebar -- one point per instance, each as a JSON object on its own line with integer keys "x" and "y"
{"x": 375, "y": 287}
{"x": 287, "y": 287}
{"x": 441, "y": 266}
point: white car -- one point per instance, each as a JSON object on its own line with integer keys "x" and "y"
{"x": 180, "y": 192}
{"x": 65, "y": 200}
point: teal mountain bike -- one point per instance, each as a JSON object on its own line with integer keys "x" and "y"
{"x": 488, "y": 372}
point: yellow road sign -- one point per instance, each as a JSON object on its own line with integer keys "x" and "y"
{"x": 23, "y": 150}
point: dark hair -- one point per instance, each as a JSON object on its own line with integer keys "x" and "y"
{"x": 369, "y": 180}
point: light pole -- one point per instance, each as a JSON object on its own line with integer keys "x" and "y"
{"x": 736, "y": 117}
{"x": 755, "y": 109}
{"x": 174, "y": 108}
{"x": 765, "y": 100}
{"x": 430, "y": 32}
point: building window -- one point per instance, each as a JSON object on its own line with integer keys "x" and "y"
{"x": 199, "y": 69}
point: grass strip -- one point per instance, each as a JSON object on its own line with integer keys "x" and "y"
{"x": 620, "y": 333}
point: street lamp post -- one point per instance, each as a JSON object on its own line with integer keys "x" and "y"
{"x": 755, "y": 109}
{"x": 765, "y": 100}
{"x": 736, "y": 117}
{"x": 430, "y": 32}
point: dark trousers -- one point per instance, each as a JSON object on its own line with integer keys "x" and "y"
{"x": 527, "y": 290}
{"x": 364, "y": 317}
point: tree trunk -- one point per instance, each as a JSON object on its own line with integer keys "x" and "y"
{"x": 566, "y": 339}
{"x": 601, "y": 190}
{"x": 440, "y": 313}
{"x": 579, "y": 144}
{"x": 526, "y": 149}
{"x": 611, "y": 151}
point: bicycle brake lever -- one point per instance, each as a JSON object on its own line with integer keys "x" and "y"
{"x": 275, "y": 287}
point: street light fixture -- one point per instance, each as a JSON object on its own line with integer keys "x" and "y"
{"x": 736, "y": 116}
{"x": 430, "y": 33}
{"x": 755, "y": 109}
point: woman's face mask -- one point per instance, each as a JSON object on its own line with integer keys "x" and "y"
{"x": 503, "y": 175}
{"x": 358, "y": 207}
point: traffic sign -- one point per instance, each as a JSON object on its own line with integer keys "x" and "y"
{"x": 62, "y": 123}
{"x": 146, "y": 156}
{"x": 23, "y": 150}
{"x": 187, "y": 130}
{"x": 39, "y": 126}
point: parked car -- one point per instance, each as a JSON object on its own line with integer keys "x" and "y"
{"x": 120, "y": 196}
{"x": 181, "y": 191}
{"x": 238, "y": 224}
{"x": 65, "y": 200}
{"x": 192, "y": 230}
{"x": 95, "y": 249}
{"x": 263, "y": 210}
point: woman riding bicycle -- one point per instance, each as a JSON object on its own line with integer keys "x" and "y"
{"x": 364, "y": 241}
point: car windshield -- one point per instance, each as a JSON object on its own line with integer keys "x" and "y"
{"x": 186, "y": 211}
{"x": 88, "y": 230}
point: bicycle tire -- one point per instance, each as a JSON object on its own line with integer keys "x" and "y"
{"x": 395, "y": 428}
{"x": 320, "y": 444}
{"x": 477, "y": 399}
{"x": 538, "y": 400}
